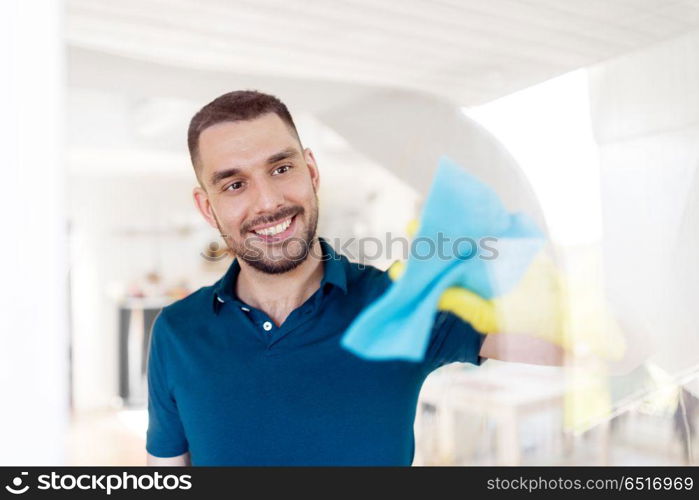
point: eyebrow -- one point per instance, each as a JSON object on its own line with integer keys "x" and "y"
{"x": 217, "y": 177}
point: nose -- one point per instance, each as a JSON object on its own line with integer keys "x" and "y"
{"x": 269, "y": 198}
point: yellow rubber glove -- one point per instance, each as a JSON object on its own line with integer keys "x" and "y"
{"x": 542, "y": 305}
{"x": 464, "y": 303}
{"x": 566, "y": 312}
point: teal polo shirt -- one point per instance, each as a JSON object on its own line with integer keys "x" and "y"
{"x": 232, "y": 388}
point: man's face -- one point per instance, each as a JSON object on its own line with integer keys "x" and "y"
{"x": 260, "y": 191}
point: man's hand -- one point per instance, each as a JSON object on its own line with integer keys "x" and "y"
{"x": 482, "y": 315}
{"x": 464, "y": 303}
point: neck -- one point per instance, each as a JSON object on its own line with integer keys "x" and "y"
{"x": 279, "y": 294}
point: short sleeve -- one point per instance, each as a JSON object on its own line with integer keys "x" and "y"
{"x": 453, "y": 340}
{"x": 165, "y": 436}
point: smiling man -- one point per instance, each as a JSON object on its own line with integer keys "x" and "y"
{"x": 250, "y": 371}
{"x": 258, "y": 188}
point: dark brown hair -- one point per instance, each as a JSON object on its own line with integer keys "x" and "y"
{"x": 240, "y": 105}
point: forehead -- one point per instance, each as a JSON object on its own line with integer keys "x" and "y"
{"x": 244, "y": 143}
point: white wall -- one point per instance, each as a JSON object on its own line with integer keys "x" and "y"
{"x": 645, "y": 113}
{"x": 33, "y": 303}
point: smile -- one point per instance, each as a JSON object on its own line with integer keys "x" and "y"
{"x": 277, "y": 232}
{"x": 271, "y": 231}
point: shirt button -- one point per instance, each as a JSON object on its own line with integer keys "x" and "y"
{"x": 267, "y": 326}
{"x": 246, "y": 309}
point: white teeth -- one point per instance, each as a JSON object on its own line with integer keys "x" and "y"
{"x": 271, "y": 231}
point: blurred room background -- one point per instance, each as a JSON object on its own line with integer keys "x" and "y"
{"x": 592, "y": 107}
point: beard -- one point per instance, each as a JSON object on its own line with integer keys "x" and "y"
{"x": 283, "y": 257}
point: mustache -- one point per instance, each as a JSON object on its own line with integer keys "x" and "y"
{"x": 284, "y": 213}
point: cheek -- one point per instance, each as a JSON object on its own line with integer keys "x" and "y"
{"x": 305, "y": 196}
{"x": 231, "y": 218}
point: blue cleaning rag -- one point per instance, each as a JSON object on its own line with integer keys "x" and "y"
{"x": 464, "y": 211}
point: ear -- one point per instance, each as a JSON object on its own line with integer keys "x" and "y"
{"x": 312, "y": 167}
{"x": 201, "y": 200}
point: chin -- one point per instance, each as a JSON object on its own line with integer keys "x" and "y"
{"x": 274, "y": 267}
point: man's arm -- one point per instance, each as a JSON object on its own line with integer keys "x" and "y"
{"x": 522, "y": 348}
{"x": 165, "y": 435}
{"x": 178, "y": 461}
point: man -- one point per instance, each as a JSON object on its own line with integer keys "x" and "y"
{"x": 249, "y": 371}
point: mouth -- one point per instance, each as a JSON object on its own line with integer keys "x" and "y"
{"x": 276, "y": 232}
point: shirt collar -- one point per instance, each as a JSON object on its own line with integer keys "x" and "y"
{"x": 334, "y": 273}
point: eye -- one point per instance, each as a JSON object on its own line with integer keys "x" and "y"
{"x": 234, "y": 186}
{"x": 282, "y": 168}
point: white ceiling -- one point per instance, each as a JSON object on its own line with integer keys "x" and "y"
{"x": 469, "y": 51}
